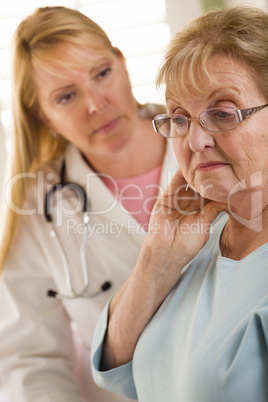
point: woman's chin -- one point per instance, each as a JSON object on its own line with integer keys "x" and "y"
{"x": 214, "y": 194}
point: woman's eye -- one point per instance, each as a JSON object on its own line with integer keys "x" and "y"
{"x": 223, "y": 114}
{"x": 104, "y": 73}
{"x": 179, "y": 120}
{"x": 66, "y": 98}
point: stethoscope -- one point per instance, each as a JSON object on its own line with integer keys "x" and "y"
{"x": 82, "y": 194}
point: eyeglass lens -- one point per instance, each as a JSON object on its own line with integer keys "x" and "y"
{"x": 219, "y": 119}
{"x": 214, "y": 120}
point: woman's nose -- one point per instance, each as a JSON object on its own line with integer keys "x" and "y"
{"x": 95, "y": 102}
{"x": 199, "y": 138}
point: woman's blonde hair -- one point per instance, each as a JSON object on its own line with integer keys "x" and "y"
{"x": 35, "y": 41}
{"x": 238, "y": 32}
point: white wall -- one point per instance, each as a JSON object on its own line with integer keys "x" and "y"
{"x": 180, "y": 12}
{"x": 263, "y": 4}
{"x": 2, "y": 164}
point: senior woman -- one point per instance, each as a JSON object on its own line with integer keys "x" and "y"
{"x": 191, "y": 322}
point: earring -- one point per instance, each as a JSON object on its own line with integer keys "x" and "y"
{"x": 186, "y": 188}
{"x": 53, "y": 134}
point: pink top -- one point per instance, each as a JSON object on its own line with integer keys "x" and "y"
{"x": 137, "y": 194}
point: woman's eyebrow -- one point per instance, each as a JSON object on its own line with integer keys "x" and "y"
{"x": 60, "y": 89}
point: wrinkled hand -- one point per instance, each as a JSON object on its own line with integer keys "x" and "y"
{"x": 180, "y": 225}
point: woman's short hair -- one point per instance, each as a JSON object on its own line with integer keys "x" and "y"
{"x": 238, "y": 32}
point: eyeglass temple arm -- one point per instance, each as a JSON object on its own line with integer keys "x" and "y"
{"x": 154, "y": 126}
{"x": 244, "y": 114}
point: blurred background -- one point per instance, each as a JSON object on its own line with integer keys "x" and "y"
{"x": 140, "y": 28}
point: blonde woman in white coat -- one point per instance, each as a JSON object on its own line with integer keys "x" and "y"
{"x": 75, "y": 120}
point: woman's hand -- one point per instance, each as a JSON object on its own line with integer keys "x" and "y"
{"x": 179, "y": 225}
{"x": 179, "y": 228}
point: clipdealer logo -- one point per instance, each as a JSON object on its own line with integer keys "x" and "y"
{"x": 68, "y": 203}
{"x": 114, "y": 229}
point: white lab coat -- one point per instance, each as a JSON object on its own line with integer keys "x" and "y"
{"x": 37, "y": 354}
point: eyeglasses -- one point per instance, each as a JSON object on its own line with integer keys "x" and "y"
{"x": 216, "y": 120}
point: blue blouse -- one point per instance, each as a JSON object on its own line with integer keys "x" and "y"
{"x": 208, "y": 342}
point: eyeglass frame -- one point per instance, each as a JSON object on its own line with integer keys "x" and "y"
{"x": 241, "y": 115}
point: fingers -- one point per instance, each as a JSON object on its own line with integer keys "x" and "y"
{"x": 175, "y": 194}
{"x": 212, "y": 209}
{"x": 177, "y": 203}
{"x": 177, "y": 182}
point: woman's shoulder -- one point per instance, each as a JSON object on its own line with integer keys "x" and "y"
{"x": 51, "y": 169}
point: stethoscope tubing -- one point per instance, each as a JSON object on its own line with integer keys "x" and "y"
{"x": 48, "y": 215}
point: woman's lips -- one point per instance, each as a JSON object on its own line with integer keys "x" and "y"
{"x": 107, "y": 127}
{"x": 205, "y": 167}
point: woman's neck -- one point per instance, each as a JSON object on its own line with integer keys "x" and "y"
{"x": 143, "y": 153}
{"x": 242, "y": 236}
